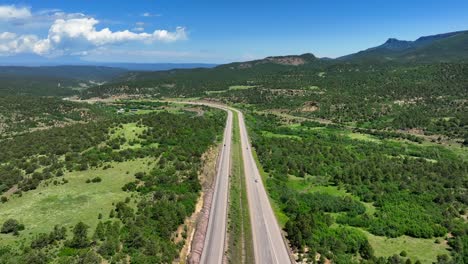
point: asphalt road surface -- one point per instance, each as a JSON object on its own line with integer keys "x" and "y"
{"x": 213, "y": 250}
{"x": 269, "y": 246}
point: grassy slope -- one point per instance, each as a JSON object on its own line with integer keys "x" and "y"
{"x": 39, "y": 210}
{"x": 240, "y": 246}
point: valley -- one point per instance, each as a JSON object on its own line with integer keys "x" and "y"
{"x": 358, "y": 159}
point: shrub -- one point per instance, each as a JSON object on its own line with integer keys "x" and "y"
{"x": 96, "y": 179}
{"x": 11, "y": 226}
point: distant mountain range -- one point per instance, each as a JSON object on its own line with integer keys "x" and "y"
{"x": 126, "y": 66}
{"x": 448, "y": 47}
{"x": 53, "y": 80}
{"x": 46, "y": 80}
{"x": 79, "y": 73}
{"x": 157, "y": 66}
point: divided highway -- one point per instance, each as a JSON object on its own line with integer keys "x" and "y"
{"x": 269, "y": 246}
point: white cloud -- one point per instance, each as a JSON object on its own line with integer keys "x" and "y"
{"x": 75, "y": 33}
{"x": 148, "y": 14}
{"x": 85, "y": 29}
{"x": 10, "y": 43}
{"x": 10, "y": 12}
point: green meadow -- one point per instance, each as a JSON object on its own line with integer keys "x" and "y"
{"x": 69, "y": 203}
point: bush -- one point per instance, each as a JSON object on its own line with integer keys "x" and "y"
{"x": 96, "y": 179}
{"x": 41, "y": 241}
{"x": 11, "y": 226}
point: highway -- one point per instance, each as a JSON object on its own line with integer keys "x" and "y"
{"x": 269, "y": 246}
{"x": 268, "y": 243}
{"x": 213, "y": 249}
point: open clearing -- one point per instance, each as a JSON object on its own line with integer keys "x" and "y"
{"x": 424, "y": 250}
{"x": 311, "y": 184}
{"x": 39, "y": 210}
{"x": 232, "y": 88}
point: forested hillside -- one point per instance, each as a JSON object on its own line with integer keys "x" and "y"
{"x": 53, "y": 80}
{"x": 428, "y": 99}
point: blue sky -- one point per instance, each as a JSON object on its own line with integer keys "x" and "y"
{"x": 212, "y": 31}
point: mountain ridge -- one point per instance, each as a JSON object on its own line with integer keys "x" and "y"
{"x": 432, "y": 48}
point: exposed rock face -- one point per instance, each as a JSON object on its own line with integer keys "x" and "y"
{"x": 290, "y": 60}
{"x": 287, "y": 60}
{"x": 310, "y": 107}
{"x": 200, "y": 233}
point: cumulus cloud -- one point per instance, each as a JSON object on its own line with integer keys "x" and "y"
{"x": 85, "y": 29}
{"x": 9, "y": 12}
{"x": 10, "y": 43}
{"x": 76, "y": 33}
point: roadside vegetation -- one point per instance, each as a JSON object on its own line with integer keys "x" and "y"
{"x": 347, "y": 196}
{"x": 110, "y": 190}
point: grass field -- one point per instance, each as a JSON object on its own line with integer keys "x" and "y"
{"x": 241, "y": 87}
{"x": 232, "y": 88}
{"x": 39, "y": 210}
{"x": 309, "y": 184}
{"x": 424, "y": 250}
{"x": 129, "y": 131}
{"x": 361, "y": 136}
{"x": 270, "y": 134}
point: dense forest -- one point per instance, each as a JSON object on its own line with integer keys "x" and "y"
{"x": 163, "y": 196}
{"x": 25, "y": 113}
{"x": 417, "y": 191}
{"x": 53, "y": 80}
